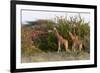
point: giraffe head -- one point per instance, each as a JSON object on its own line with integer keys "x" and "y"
{"x": 55, "y": 28}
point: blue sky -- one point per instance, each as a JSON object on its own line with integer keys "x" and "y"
{"x": 35, "y": 15}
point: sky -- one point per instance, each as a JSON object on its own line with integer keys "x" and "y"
{"x": 27, "y": 15}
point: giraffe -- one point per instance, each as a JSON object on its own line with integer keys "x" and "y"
{"x": 61, "y": 41}
{"x": 76, "y": 43}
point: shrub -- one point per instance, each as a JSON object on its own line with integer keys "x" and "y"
{"x": 48, "y": 42}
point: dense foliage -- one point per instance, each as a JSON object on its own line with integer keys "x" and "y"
{"x": 49, "y": 42}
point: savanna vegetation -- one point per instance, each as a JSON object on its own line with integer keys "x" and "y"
{"x": 39, "y": 43}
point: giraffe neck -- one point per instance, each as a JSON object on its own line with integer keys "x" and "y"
{"x": 59, "y": 37}
{"x": 72, "y": 37}
{"x": 56, "y": 33}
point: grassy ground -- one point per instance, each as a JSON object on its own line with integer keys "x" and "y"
{"x": 54, "y": 56}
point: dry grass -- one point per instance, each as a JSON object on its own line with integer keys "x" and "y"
{"x": 54, "y": 56}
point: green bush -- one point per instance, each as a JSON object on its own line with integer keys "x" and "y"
{"x": 74, "y": 24}
{"x": 64, "y": 25}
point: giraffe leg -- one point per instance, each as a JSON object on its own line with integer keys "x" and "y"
{"x": 59, "y": 48}
{"x": 66, "y": 47}
{"x": 73, "y": 48}
{"x": 80, "y": 47}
